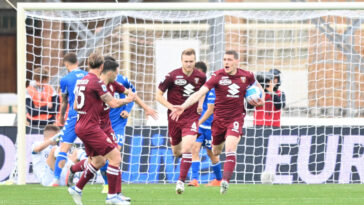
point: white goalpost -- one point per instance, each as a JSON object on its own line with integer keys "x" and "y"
{"x": 318, "y": 48}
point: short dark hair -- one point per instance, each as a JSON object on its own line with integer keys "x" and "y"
{"x": 110, "y": 65}
{"x": 201, "y": 65}
{"x": 188, "y": 52}
{"x": 40, "y": 74}
{"x": 110, "y": 58}
{"x": 70, "y": 57}
{"x": 232, "y": 52}
{"x": 51, "y": 128}
{"x": 95, "y": 60}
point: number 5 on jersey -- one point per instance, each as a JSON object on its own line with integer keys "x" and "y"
{"x": 80, "y": 96}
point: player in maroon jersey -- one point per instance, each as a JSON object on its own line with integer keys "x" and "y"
{"x": 180, "y": 84}
{"x": 269, "y": 115}
{"x": 90, "y": 94}
{"x": 230, "y": 85}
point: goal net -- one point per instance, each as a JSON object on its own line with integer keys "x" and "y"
{"x": 319, "y": 54}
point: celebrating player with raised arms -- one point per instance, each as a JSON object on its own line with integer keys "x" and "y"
{"x": 67, "y": 86}
{"x": 230, "y": 85}
{"x": 91, "y": 92}
{"x": 180, "y": 84}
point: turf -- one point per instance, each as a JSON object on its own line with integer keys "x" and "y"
{"x": 165, "y": 194}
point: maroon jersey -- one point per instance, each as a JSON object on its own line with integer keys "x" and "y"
{"x": 230, "y": 92}
{"x": 268, "y": 115}
{"x": 180, "y": 87}
{"x": 88, "y": 102}
{"x": 104, "y": 114}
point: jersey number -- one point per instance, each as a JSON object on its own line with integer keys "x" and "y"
{"x": 80, "y": 102}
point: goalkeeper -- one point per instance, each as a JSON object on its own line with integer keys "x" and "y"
{"x": 43, "y": 156}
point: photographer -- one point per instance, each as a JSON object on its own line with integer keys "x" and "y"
{"x": 275, "y": 100}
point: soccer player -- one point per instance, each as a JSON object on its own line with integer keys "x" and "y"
{"x": 230, "y": 85}
{"x": 119, "y": 116}
{"x": 40, "y": 151}
{"x": 269, "y": 115}
{"x": 181, "y": 83}
{"x": 108, "y": 76}
{"x": 205, "y": 137}
{"x": 67, "y": 86}
{"x": 91, "y": 92}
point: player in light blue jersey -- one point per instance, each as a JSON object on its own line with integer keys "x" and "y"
{"x": 205, "y": 137}
{"x": 67, "y": 85}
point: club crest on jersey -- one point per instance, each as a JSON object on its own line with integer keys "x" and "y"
{"x": 196, "y": 80}
{"x": 225, "y": 82}
{"x": 243, "y": 79}
{"x": 104, "y": 88}
{"x": 180, "y": 82}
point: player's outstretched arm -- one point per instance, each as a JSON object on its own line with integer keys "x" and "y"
{"x": 190, "y": 101}
{"x": 148, "y": 111}
{"x": 114, "y": 103}
{"x": 200, "y": 104}
{"x": 259, "y": 101}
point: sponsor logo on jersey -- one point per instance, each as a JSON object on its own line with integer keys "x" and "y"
{"x": 225, "y": 82}
{"x": 196, "y": 80}
{"x": 233, "y": 91}
{"x": 243, "y": 79}
{"x": 180, "y": 82}
{"x": 188, "y": 90}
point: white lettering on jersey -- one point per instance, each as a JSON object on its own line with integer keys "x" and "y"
{"x": 233, "y": 90}
{"x": 188, "y": 90}
{"x": 79, "y": 75}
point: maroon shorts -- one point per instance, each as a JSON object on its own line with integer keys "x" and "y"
{"x": 181, "y": 128}
{"x": 96, "y": 142}
{"x": 221, "y": 128}
{"x": 111, "y": 134}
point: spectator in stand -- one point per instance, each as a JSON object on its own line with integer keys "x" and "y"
{"x": 269, "y": 114}
{"x": 41, "y": 99}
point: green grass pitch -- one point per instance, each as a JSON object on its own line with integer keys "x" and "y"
{"x": 165, "y": 194}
